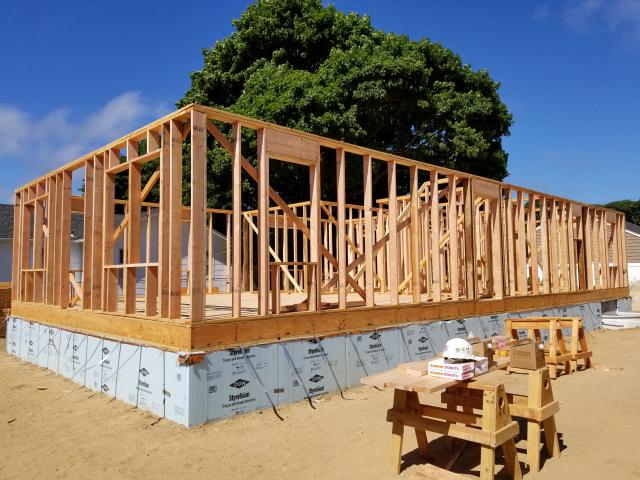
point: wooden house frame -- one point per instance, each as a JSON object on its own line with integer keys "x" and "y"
{"x": 456, "y": 245}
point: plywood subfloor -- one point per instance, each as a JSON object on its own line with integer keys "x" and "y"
{"x": 218, "y": 305}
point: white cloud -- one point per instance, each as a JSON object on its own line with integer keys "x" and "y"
{"x": 541, "y": 12}
{"x": 619, "y": 16}
{"x": 581, "y": 12}
{"x": 40, "y": 144}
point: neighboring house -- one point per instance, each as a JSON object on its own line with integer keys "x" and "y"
{"x": 6, "y": 241}
{"x": 77, "y": 233}
{"x": 632, "y": 237}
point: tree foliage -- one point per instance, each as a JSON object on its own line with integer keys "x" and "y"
{"x": 314, "y": 68}
{"x": 630, "y": 208}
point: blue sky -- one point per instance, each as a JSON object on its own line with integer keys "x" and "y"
{"x": 77, "y": 74}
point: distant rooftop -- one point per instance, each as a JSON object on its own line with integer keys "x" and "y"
{"x": 632, "y": 227}
{"x": 6, "y": 223}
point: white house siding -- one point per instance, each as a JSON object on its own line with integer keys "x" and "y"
{"x": 633, "y": 256}
{"x": 219, "y": 254}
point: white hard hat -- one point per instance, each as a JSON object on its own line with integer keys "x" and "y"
{"x": 458, "y": 348}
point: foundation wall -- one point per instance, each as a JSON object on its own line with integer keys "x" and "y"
{"x": 235, "y": 381}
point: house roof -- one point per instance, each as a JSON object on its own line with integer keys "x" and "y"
{"x": 633, "y": 228}
{"x": 6, "y": 220}
{"x": 6, "y": 223}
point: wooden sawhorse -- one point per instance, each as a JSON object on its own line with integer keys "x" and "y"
{"x": 557, "y": 353}
{"x": 492, "y": 428}
{"x": 530, "y": 397}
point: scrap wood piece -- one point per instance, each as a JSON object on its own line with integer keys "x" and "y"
{"x": 456, "y": 454}
{"x": 418, "y": 369}
{"x": 437, "y": 473}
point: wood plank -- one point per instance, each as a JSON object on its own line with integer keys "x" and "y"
{"x": 51, "y": 240}
{"x": 392, "y": 228}
{"x": 175, "y": 220}
{"x": 57, "y": 233}
{"x": 25, "y": 226}
{"x": 65, "y": 238}
{"x": 521, "y": 255}
{"x": 414, "y": 235}
{"x": 544, "y": 246}
{"x": 496, "y": 249}
{"x": 435, "y": 473}
{"x": 563, "y": 247}
{"x": 469, "y": 251}
{"x": 586, "y": 219}
{"x": 263, "y": 223}
{"x": 436, "y": 280}
{"x": 452, "y": 221}
{"x": 237, "y": 220}
{"x": 38, "y": 246}
{"x": 291, "y": 147}
{"x": 315, "y": 240}
{"x": 533, "y": 245}
{"x": 110, "y": 282}
{"x": 164, "y": 221}
{"x": 87, "y": 244}
{"x": 553, "y": 246}
{"x": 198, "y": 203}
{"x": 572, "y": 249}
{"x": 137, "y": 160}
{"x": 342, "y": 236}
{"x": 133, "y": 228}
{"x": 151, "y": 273}
{"x": 511, "y": 258}
{"x": 367, "y": 164}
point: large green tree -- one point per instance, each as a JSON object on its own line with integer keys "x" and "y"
{"x": 630, "y": 208}
{"x": 314, "y": 68}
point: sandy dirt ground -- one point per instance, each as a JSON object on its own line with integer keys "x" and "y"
{"x": 52, "y": 428}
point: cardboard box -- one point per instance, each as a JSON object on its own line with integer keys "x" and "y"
{"x": 528, "y": 356}
{"x": 499, "y": 341}
{"x": 443, "y": 368}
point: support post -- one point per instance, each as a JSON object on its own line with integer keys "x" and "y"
{"x": 414, "y": 229}
{"x": 236, "y": 250}
{"x": 315, "y": 241}
{"x": 38, "y": 247}
{"x": 367, "y": 164}
{"x": 133, "y": 229}
{"x": 164, "y": 220}
{"x": 435, "y": 239}
{"x": 96, "y": 233}
{"x": 469, "y": 250}
{"x": 110, "y": 282}
{"x": 197, "y": 235}
{"x": 263, "y": 223}
{"x": 533, "y": 245}
{"x": 65, "y": 238}
{"x": 87, "y": 245}
{"x": 452, "y": 214}
{"x": 175, "y": 220}
{"x": 393, "y": 232}
{"x": 342, "y": 237}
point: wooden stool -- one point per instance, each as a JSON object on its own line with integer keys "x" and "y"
{"x": 557, "y": 353}
{"x": 492, "y": 428}
{"x": 531, "y": 400}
